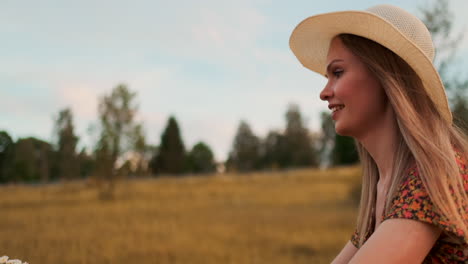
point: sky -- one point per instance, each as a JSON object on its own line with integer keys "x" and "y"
{"x": 208, "y": 63}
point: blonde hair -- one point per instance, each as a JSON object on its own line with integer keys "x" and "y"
{"x": 425, "y": 139}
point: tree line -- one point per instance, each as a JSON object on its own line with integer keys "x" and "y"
{"x": 121, "y": 147}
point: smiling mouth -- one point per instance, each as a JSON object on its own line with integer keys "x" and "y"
{"x": 337, "y": 108}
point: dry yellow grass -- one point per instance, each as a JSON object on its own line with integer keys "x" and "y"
{"x": 299, "y": 216}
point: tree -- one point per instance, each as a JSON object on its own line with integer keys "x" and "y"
{"x": 24, "y": 164}
{"x": 274, "y": 151}
{"x": 245, "y": 154}
{"x": 86, "y": 163}
{"x": 117, "y": 113}
{"x": 32, "y": 160}
{"x": 439, "y": 21}
{"x": 170, "y": 156}
{"x": 460, "y": 110}
{"x": 141, "y": 148}
{"x": 104, "y": 171}
{"x": 6, "y": 156}
{"x": 135, "y": 163}
{"x": 336, "y": 149}
{"x": 201, "y": 159}
{"x": 67, "y": 161}
{"x": 300, "y": 150}
{"x": 117, "y": 118}
{"x": 344, "y": 151}
{"x": 327, "y": 139}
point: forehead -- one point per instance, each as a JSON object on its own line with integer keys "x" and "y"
{"x": 338, "y": 50}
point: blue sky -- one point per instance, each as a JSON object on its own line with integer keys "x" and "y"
{"x": 208, "y": 63}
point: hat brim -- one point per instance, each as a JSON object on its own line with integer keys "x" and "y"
{"x": 311, "y": 39}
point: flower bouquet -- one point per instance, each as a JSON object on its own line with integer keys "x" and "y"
{"x": 4, "y": 260}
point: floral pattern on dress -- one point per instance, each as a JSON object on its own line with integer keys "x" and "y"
{"x": 412, "y": 202}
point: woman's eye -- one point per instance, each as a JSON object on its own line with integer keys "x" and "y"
{"x": 337, "y": 73}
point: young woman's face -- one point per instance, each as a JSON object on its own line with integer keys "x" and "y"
{"x": 359, "y": 96}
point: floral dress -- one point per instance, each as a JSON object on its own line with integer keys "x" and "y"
{"x": 412, "y": 202}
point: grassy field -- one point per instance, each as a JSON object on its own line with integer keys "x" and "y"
{"x": 298, "y": 216}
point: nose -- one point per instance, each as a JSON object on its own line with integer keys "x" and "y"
{"x": 326, "y": 93}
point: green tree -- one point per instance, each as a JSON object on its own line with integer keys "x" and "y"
{"x": 201, "y": 159}
{"x": 6, "y": 156}
{"x": 87, "y": 163}
{"x": 300, "y": 149}
{"x": 335, "y": 149}
{"x": 460, "y": 112}
{"x": 66, "y": 157}
{"x": 141, "y": 149}
{"x": 117, "y": 112}
{"x": 245, "y": 153}
{"x": 24, "y": 164}
{"x": 104, "y": 172}
{"x": 117, "y": 119}
{"x": 327, "y": 139}
{"x": 344, "y": 151}
{"x": 274, "y": 151}
{"x": 135, "y": 162}
{"x": 170, "y": 156}
{"x": 32, "y": 160}
{"x": 438, "y": 18}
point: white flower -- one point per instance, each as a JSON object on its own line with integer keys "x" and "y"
{"x": 3, "y": 259}
{"x": 14, "y": 261}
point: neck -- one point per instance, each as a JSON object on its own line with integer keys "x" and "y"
{"x": 381, "y": 143}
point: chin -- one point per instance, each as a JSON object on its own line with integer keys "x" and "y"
{"x": 343, "y": 130}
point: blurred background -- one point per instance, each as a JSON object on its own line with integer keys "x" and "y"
{"x": 180, "y": 132}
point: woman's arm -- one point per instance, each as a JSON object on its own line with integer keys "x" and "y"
{"x": 346, "y": 254}
{"x": 398, "y": 241}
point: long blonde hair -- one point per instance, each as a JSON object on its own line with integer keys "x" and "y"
{"x": 424, "y": 139}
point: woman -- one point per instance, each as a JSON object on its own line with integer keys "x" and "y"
{"x": 384, "y": 92}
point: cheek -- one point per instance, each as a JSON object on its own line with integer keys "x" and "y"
{"x": 345, "y": 90}
{"x": 362, "y": 97}
{"x": 372, "y": 106}
{"x": 349, "y": 91}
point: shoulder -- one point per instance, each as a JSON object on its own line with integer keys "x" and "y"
{"x": 412, "y": 201}
{"x": 412, "y": 186}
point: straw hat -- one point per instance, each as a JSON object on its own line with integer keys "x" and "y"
{"x": 390, "y": 26}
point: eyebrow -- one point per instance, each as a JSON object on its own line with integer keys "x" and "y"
{"x": 330, "y": 64}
